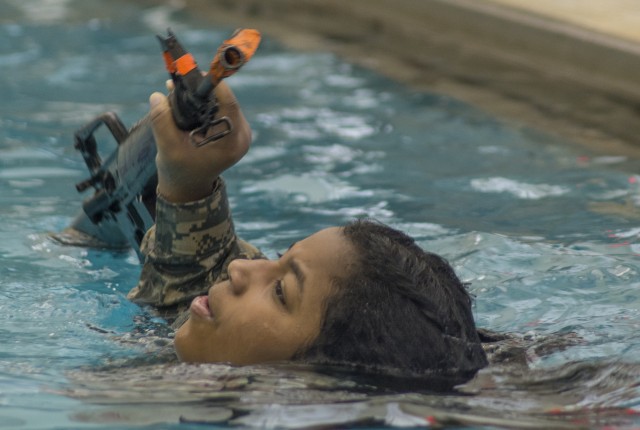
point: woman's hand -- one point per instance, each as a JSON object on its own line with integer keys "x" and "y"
{"x": 185, "y": 172}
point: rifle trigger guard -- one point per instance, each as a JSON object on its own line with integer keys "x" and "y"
{"x": 203, "y": 131}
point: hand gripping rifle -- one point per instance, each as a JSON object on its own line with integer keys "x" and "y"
{"x": 122, "y": 208}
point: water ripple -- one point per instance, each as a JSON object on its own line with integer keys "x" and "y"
{"x": 521, "y": 190}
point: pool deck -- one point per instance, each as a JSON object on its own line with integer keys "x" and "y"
{"x": 571, "y": 67}
{"x": 617, "y": 18}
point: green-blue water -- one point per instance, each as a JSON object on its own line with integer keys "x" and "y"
{"x": 546, "y": 234}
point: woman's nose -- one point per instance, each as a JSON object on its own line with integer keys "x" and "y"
{"x": 246, "y": 274}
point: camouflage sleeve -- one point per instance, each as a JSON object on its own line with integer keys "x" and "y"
{"x": 187, "y": 251}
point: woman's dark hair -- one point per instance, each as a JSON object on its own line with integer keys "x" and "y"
{"x": 399, "y": 308}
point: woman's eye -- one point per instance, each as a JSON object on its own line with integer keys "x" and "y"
{"x": 279, "y": 289}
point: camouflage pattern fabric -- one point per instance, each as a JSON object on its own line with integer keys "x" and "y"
{"x": 187, "y": 251}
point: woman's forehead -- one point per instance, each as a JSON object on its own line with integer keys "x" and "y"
{"x": 329, "y": 242}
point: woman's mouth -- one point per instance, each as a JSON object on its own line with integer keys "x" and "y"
{"x": 200, "y": 307}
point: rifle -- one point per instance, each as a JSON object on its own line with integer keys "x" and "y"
{"x": 122, "y": 207}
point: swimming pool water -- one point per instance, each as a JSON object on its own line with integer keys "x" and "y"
{"x": 546, "y": 234}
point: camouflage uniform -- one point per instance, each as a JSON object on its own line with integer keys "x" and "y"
{"x": 187, "y": 251}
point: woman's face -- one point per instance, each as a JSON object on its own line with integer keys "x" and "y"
{"x": 267, "y": 310}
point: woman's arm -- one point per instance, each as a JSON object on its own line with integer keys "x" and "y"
{"x": 194, "y": 238}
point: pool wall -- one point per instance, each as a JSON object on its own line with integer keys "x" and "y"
{"x": 540, "y": 71}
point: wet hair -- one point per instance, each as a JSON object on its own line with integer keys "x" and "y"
{"x": 400, "y": 308}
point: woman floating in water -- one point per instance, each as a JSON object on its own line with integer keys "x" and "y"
{"x": 363, "y": 294}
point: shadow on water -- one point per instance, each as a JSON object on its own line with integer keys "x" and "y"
{"x": 547, "y": 238}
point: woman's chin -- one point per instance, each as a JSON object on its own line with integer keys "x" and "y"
{"x": 184, "y": 345}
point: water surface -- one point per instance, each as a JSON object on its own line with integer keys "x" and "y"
{"x": 546, "y": 235}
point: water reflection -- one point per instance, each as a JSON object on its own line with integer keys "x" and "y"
{"x": 574, "y": 395}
